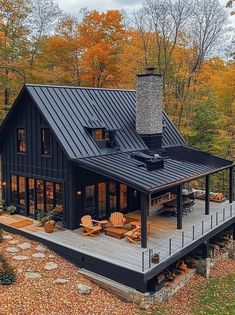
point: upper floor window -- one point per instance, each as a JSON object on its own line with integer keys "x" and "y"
{"x": 101, "y": 134}
{"x": 21, "y": 140}
{"x": 46, "y": 141}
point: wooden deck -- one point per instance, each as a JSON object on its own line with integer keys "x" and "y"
{"x": 131, "y": 256}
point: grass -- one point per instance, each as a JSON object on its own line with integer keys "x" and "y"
{"x": 216, "y": 297}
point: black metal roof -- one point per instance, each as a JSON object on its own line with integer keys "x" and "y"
{"x": 181, "y": 164}
{"x": 69, "y": 110}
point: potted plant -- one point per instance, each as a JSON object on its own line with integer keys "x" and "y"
{"x": 49, "y": 224}
{"x": 11, "y": 209}
{"x": 2, "y": 206}
{"x": 41, "y": 218}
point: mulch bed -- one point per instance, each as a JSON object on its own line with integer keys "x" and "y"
{"x": 43, "y": 297}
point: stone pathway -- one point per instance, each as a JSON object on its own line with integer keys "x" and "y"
{"x": 13, "y": 242}
{"x": 50, "y": 266}
{"x": 39, "y": 255}
{"x": 40, "y": 248}
{"x": 24, "y": 245}
{"x": 20, "y": 257}
{"x": 32, "y": 275}
{"x": 60, "y": 281}
{"x": 7, "y": 237}
{"x": 12, "y": 250}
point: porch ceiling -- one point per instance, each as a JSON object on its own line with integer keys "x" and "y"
{"x": 181, "y": 164}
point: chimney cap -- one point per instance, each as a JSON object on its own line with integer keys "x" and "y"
{"x": 150, "y": 71}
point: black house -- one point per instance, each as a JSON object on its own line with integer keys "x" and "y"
{"x": 90, "y": 151}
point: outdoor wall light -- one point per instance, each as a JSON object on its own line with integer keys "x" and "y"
{"x": 135, "y": 193}
{"x": 79, "y": 193}
{"x": 4, "y": 184}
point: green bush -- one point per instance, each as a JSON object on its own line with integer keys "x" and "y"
{"x": 1, "y": 235}
{"x": 11, "y": 209}
{"x": 7, "y": 273}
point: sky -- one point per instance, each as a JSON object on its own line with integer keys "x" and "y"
{"x": 74, "y": 6}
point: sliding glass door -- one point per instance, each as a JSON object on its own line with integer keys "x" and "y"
{"x": 31, "y": 200}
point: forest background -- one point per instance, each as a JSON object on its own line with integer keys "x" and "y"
{"x": 190, "y": 42}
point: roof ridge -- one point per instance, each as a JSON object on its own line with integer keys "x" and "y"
{"x": 76, "y": 87}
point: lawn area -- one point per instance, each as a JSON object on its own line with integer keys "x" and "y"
{"x": 215, "y": 296}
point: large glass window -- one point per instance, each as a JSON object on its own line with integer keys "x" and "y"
{"x": 59, "y": 198}
{"x": 21, "y": 140}
{"x": 89, "y": 198}
{"x": 31, "y": 196}
{"x": 22, "y": 190}
{"x": 46, "y": 141}
{"x": 112, "y": 196}
{"x": 123, "y": 197}
{"x": 14, "y": 189}
{"x": 49, "y": 196}
{"x": 102, "y": 199}
{"x": 40, "y": 195}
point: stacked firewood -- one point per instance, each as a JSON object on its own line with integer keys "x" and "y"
{"x": 219, "y": 244}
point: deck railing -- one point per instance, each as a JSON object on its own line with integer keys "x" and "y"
{"x": 182, "y": 239}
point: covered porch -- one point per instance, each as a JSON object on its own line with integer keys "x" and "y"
{"x": 165, "y": 185}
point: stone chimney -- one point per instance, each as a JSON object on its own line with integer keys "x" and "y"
{"x": 149, "y": 108}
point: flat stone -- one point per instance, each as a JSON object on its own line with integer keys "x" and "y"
{"x": 51, "y": 256}
{"x": 7, "y": 237}
{"x": 50, "y": 266}
{"x": 60, "y": 281}
{"x": 32, "y": 275}
{"x": 39, "y": 255}
{"x": 12, "y": 250}
{"x": 144, "y": 306}
{"x": 24, "y": 245}
{"x": 20, "y": 257}
{"x": 83, "y": 288}
{"x": 40, "y": 248}
{"x": 13, "y": 242}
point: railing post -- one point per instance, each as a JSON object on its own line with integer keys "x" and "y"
{"x": 193, "y": 232}
{"x": 231, "y": 210}
{"x": 143, "y": 261}
{"x": 150, "y": 257}
{"x": 170, "y": 247}
{"x": 223, "y": 214}
{"x": 216, "y": 218}
{"x": 202, "y": 227}
{"x": 182, "y": 238}
{"x": 211, "y": 221}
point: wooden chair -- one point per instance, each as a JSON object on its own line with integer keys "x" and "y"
{"x": 117, "y": 219}
{"x": 89, "y": 227}
{"x": 134, "y": 236}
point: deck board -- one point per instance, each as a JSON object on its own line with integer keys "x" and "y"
{"x": 127, "y": 255}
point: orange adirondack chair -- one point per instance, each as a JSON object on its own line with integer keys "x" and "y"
{"x": 117, "y": 219}
{"x": 134, "y": 236}
{"x": 89, "y": 227}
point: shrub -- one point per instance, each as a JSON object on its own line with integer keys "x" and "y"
{"x": 11, "y": 209}
{"x": 7, "y": 273}
{"x": 1, "y": 235}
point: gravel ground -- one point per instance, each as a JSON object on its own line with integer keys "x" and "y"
{"x": 40, "y": 296}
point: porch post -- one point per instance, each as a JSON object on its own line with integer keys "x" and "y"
{"x": 205, "y": 249}
{"x": 231, "y": 184}
{"x": 144, "y": 203}
{"x": 179, "y": 207}
{"x": 207, "y": 195}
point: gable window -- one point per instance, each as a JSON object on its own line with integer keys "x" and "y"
{"x": 21, "y": 140}
{"x": 101, "y": 135}
{"x": 45, "y": 141}
{"x": 14, "y": 189}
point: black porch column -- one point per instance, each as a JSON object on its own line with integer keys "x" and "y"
{"x": 205, "y": 249}
{"x": 179, "y": 207}
{"x": 207, "y": 195}
{"x": 231, "y": 184}
{"x": 144, "y": 203}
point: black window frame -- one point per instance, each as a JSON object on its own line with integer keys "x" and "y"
{"x": 20, "y": 140}
{"x": 45, "y": 147}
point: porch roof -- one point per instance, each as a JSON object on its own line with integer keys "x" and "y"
{"x": 181, "y": 164}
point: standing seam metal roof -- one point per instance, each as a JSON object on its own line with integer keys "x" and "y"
{"x": 69, "y": 109}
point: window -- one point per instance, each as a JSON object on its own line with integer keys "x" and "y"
{"x": 49, "y": 196}
{"x": 112, "y": 196}
{"x": 21, "y": 140}
{"x": 123, "y": 197}
{"x": 22, "y": 190}
{"x": 89, "y": 197}
{"x": 102, "y": 199}
{"x": 46, "y": 141}
{"x": 59, "y": 198}
{"x": 14, "y": 189}
{"x": 31, "y": 196}
{"x": 40, "y": 195}
{"x": 101, "y": 135}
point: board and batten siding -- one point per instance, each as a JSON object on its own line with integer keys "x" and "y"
{"x": 55, "y": 167}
